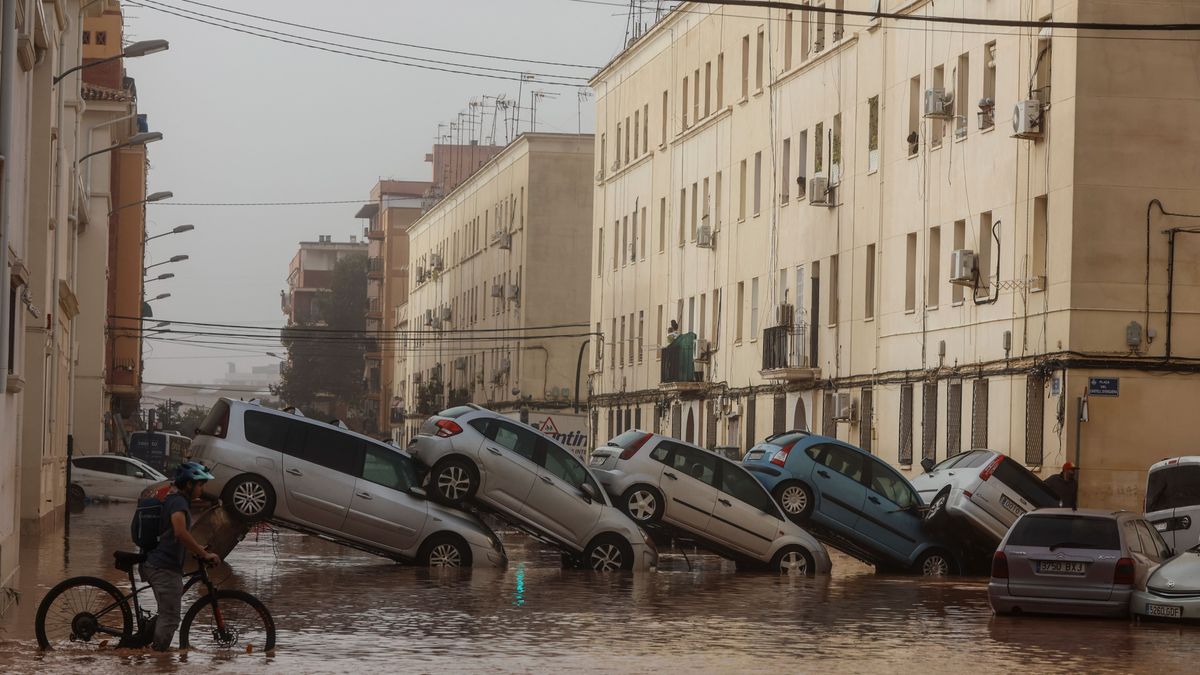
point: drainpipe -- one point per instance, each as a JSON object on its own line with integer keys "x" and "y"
{"x": 8, "y": 57}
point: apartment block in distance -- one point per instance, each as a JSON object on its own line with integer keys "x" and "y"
{"x": 916, "y": 241}
{"x": 495, "y": 264}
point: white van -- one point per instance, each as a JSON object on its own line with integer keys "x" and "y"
{"x": 1173, "y": 501}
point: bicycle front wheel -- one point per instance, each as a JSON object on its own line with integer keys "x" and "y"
{"x": 228, "y": 621}
{"x": 83, "y": 612}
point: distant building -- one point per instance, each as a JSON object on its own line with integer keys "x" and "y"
{"x": 454, "y": 163}
{"x": 310, "y": 273}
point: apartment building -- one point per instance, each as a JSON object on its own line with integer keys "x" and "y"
{"x": 310, "y": 273}
{"x": 916, "y": 238}
{"x": 497, "y": 311}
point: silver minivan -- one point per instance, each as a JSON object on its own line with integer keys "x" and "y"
{"x": 326, "y": 480}
{"x": 657, "y": 479}
{"x": 480, "y": 456}
{"x": 1173, "y": 500}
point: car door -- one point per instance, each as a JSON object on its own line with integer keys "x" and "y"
{"x": 557, "y": 499}
{"x": 744, "y": 517}
{"x": 688, "y": 485}
{"x": 131, "y": 480}
{"x": 86, "y": 472}
{"x": 382, "y": 511}
{"x": 320, "y": 466}
{"x": 889, "y": 515}
{"x": 836, "y": 477}
{"x": 508, "y": 461}
{"x": 109, "y": 476}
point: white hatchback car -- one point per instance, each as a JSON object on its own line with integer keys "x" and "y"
{"x": 1173, "y": 500}
{"x": 656, "y": 479}
{"x": 114, "y": 477}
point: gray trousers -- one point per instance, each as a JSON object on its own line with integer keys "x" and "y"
{"x": 168, "y": 592}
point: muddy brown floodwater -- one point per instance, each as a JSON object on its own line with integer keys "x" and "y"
{"x": 338, "y": 610}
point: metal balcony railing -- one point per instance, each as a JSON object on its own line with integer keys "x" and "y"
{"x": 785, "y": 347}
{"x": 375, "y": 264}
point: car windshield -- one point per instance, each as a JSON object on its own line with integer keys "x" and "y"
{"x": 626, "y": 439}
{"x": 1053, "y": 532}
{"x": 1173, "y": 487}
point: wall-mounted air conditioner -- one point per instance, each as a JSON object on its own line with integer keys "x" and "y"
{"x": 504, "y": 241}
{"x": 460, "y": 363}
{"x": 512, "y": 292}
{"x": 820, "y": 192}
{"x": 844, "y": 407}
{"x": 497, "y": 291}
{"x": 444, "y": 313}
{"x": 938, "y": 104}
{"x": 435, "y": 262}
{"x": 1027, "y": 119}
{"x": 704, "y": 237}
{"x": 429, "y": 317}
{"x": 436, "y": 323}
{"x": 785, "y": 314}
{"x": 963, "y": 264}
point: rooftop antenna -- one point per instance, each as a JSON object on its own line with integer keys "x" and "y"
{"x": 525, "y": 77}
{"x": 535, "y": 96}
{"x": 581, "y": 95}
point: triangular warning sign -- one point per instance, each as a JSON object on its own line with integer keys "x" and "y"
{"x": 549, "y": 427}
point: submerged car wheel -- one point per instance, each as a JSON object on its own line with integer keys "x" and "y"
{"x": 935, "y": 563}
{"x": 643, "y": 503}
{"x": 936, "y": 515}
{"x": 75, "y": 495}
{"x": 454, "y": 481}
{"x": 250, "y": 498}
{"x": 796, "y": 500}
{"x": 794, "y": 560}
{"x": 608, "y": 554}
{"x": 444, "y": 551}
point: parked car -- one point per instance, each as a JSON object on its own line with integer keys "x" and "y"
{"x": 478, "y": 456}
{"x": 985, "y": 490}
{"x": 329, "y": 481}
{"x": 1073, "y": 561}
{"x": 110, "y": 477}
{"x": 1173, "y": 500}
{"x": 1173, "y": 590}
{"x": 852, "y": 500}
{"x": 656, "y": 479}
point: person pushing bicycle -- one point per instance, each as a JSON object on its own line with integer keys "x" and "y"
{"x": 163, "y": 568}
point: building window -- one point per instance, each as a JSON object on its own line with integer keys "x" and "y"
{"x": 630, "y": 130}
{"x": 666, "y": 114}
{"x": 633, "y": 238}
{"x": 696, "y": 96}
{"x": 101, "y": 37}
{"x": 720, "y": 81}
{"x": 787, "y": 41}
{"x": 785, "y": 170}
{"x": 828, "y": 420}
{"x": 616, "y": 158}
{"x": 802, "y": 165}
{"x": 818, "y": 149}
{"x": 87, "y": 37}
{"x": 741, "y": 305}
{"x": 758, "y": 62}
{"x": 632, "y": 342}
{"x": 960, "y": 234}
{"x": 682, "y": 214}
{"x": 962, "y": 94}
{"x": 913, "y": 140}
{"x": 833, "y": 290}
{"x": 624, "y": 241}
{"x": 745, "y": 66}
{"x": 717, "y": 203}
{"x": 866, "y": 413}
{"x": 953, "y": 418}
{"x": 637, "y": 131}
{"x": 929, "y": 394}
{"x": 662, "y": 224}
{"x": 751, "y": 421}
{"x": 757, "y": 182}
{"x": 645, "y": 128}
{"x": 600, "y": 252}
{"x": 708, "y": 88}
{"x": 1035, "y": 403}
{"x": 684, "y": 102}
{"x": 835, "y": 150}
{"x": 661, "y": 329}
{"x": 979, "y": 413}
{"x": 754, "y": 308}
{"x": 616, "y": 244}
{"x": 869, "y": 290}
{"x": 839, "y": 22}
{"x": 706, "y": 205}
{"x": 937, "y": 126}
{"x": 987, "y": 118}
{"x": 695, "y": 210}
{"x": 906, "y": 439}
{"x": 873, "y": 134}
{"x": 641, "y": 335}
{"x": 1039, "y": 244}
{"x": 910, "y": 273}
{"x": 984, "y": 259}
{"x": 645, "y": 214}
{"x": 716, "y": 316}
{"x": 612, "y": 336}
{"x": 819, "y": 30}
{"x": 933, "y": 280}
{"x": 700, "y": 332}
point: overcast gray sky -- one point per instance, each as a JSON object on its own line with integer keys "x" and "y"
{"x": 247, "y": 119}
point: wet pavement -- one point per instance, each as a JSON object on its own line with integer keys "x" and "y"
{"x": 338, "y": 610}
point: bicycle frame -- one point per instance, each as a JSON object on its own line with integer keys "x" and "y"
{"x": 199, "y": 576}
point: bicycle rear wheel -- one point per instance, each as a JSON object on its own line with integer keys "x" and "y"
{"x": 83, "y": 612}
{"x": 242, "y": 624}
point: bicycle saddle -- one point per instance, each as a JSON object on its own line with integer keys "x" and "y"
{"x": 125, "y": 560}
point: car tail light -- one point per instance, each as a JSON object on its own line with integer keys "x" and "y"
{"x": 634, "y": 447}
{"x": 1123, "y": 573}
{"x": 447, "y": 428}
{"x": 780, "y": 457}
{"x": 990, "y": 468}
{"x": 999, "y": 565}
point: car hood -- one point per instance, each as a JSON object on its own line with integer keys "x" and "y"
{"x": 932, "y": 481}
{"x": 1180, "y": 574}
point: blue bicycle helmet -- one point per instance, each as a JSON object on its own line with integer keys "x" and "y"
{"x": 192, "y": 471}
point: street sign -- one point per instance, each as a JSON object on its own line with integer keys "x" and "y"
{"x": 1104, "y": 386}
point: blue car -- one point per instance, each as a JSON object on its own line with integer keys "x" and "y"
{"x": 851, "y": 500}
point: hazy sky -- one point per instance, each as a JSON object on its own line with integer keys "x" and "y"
{"x": 246, "y": 119}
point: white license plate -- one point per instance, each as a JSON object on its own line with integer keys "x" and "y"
{"x": 597, "y": 460}
{"x": 1011, "y": 506}
{"x": 755, "y": 454}
{"x": 1061, "y": 567}
{"x": 1168, "y": 611}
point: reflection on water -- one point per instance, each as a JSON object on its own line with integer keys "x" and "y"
{"x": 338, "y": 610}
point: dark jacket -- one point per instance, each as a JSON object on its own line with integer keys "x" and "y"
{"x": 1067, "y": 490}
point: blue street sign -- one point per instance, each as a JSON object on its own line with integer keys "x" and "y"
{"x": 1104, "y": 386}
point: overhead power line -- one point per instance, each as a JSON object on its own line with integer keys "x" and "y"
{"x": 320, "y": 330}
{"x": 311, "y": 203}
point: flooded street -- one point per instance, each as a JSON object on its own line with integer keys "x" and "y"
{"x": 338, "y": 610}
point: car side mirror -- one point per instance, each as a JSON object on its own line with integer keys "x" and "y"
{"x": 589, "y": 492}
{"x": 139, "y": 474}
{"x": 418, "y": 492}
{"x": 926, "y": 465}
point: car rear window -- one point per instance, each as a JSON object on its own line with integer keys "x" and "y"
{"x": 626, "y": 439}
{"x": 1066, "y": 532}
{"x": 1024, "y": 483}
{"x": 1174, "y": 487}
{"x": 218, "y": 416}
{"x": 456, "y": 412}
{"x": 974, "y": 460}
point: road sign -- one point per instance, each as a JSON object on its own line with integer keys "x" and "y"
{"x": 1104, "y": 386}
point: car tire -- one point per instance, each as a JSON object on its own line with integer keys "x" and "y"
{"x": 250, "y": 498}
{"x": 444, "y": 550}
{"x": 607, "y": 553}
{"x": 75, "y": 495}
{"x": 936, "y": 515}
{"x": 793, "y": 559}
{"x": 454, "y": 481}
{"x": 935, "y": 562}
{"x": 796, "y": 500}
{"x": 644, "y": 504}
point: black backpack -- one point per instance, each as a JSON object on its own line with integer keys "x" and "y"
{"x": 148, "y": 524}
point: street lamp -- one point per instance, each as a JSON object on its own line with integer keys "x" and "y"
{"x": 141, "y": 138}
{"x": 152, "y": 197}
{"x": 175, "y": 230}
{"x": 172, "y": 259}
{"x": 165, "y": 275}
{"x": 133, "y": 51}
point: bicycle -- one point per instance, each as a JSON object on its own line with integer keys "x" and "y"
{"x": 89, "y": 611}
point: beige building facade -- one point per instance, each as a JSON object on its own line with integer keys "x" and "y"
{"x": 791, "y": 187}
{"x": 497, "y": 307}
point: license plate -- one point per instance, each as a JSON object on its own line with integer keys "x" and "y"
{"x": 756, "y": 454}
{"x": 1168, "y": 611}
{"x": 1061, "y": 567}
{"x": 597, "y": 460}
{"x": 1011, "y": 506}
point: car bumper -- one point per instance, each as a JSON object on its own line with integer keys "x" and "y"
{"x": 645, "y": 558}
{"x": 1002, "y": 602}
{"x": 487, "y": 556}
{"x": 1189, "y": 607}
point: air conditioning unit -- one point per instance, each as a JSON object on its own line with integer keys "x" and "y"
{"x": 963, "y": 267}
{"x": 497, "y": 291}
{"x": 938, "y": 104}
{"x": 420, "y": 273}
{"x": 512, "y": 292}
{"x": 844, "y": 407}
{"x": 496, "y": 376}
{"x": 1027, "y": 119}
{"x": 633, "y": 252}
{"x": 429, "y": 317}
{"x": 435, "y": 262}
{"x": 820, "y": 192}
{"x": 436, "y": 323}
{"x": 704, "y": 237}
{"x": 444, "y": 313}
{"x": 460, "y": 363}
{"x": 504, "y": 365}
{"x": 504, "y": 241}
{"x": 735, "y": 409}
{"x": 785, "y": 314}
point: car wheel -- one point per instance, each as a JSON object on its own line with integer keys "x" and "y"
{"x": 608, "y": 554}
{"x": 454, "y": 481}
{"x": 794, "y": 560}
{"x": 935, "y": 563}
{"x": 75, "y": 495}
{"x": 936, "y": 515}
{"x": 444, "y": 550}
{"x": 643, "y": 503}
{"x": 796, "y": 500}
{"x": 250, "y": 498}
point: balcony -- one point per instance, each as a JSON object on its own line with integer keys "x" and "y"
{"x": 374, "y": 308}
{"x": 375, "y": 267}
{"x": 678, "y": 372}
{"x": 785, "y": 355}
{"x": 375, "y": 231}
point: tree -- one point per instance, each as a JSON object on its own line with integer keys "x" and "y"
{"x": 324, "y": 374}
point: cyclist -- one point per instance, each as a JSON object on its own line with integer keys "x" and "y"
{"x": 163, "y": 568}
